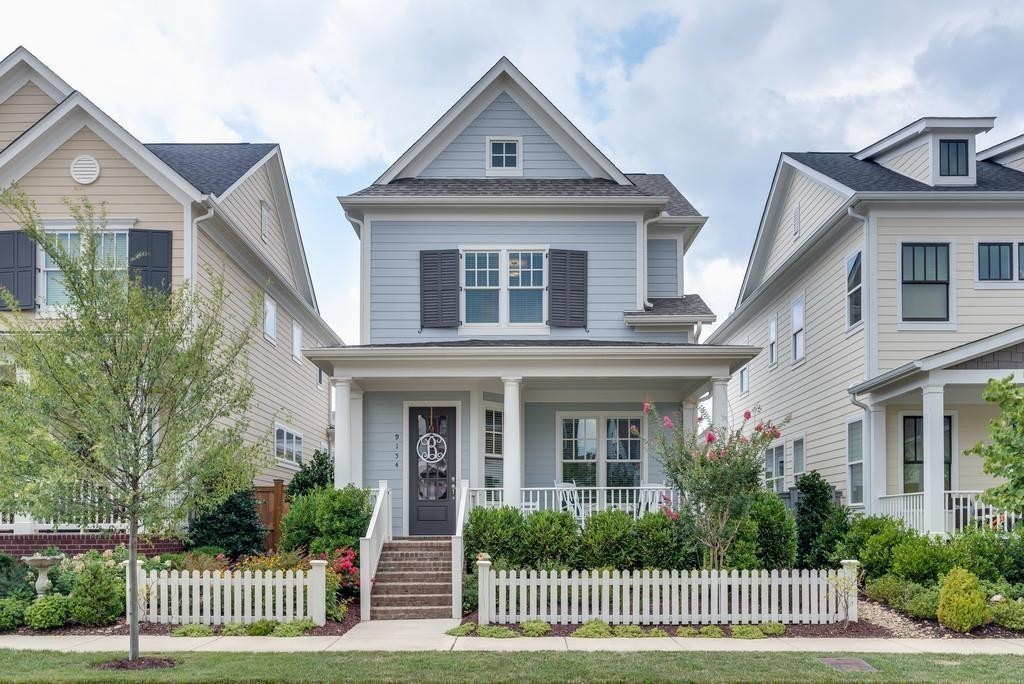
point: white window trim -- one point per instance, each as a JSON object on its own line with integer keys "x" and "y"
{"x": 954, "y": 468}
{"x": 1015, "y": 283}
{"x": 269, "y": 303}
{"x": 770, "y": 482}
{"x": 265, "y": 221}
{"x": 857, "y": 418}
{"x": 503, "y": 326}
{"x": 297, "y": 351}
{"x": 43, "y": 310}
{"x": 972, "y": 166}
{"x": 491, "y": 406}
{"x": 846, "y": 266}
{"x": 273, "y": 449}
{"x": 602, "y": 445}
{"x": 504, "y": 171}
{"x": 794, "y": 361}
{"x": 799, "y": 437}
{"x": 773, "y": 337}
{"x": 320, "y": 377}
{"x": 740, "y": 374}
{"x": 927, "y": 325}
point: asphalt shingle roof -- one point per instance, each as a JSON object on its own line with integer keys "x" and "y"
{"x": 659, "y": 184}
{"x": 869, "y": 176}
{"x": 547, "y": 342}
{"x": 687, "y": 305}
{"x": 211, "y": 167}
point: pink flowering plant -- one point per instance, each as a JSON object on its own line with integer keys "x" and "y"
{"x": 717, "y": 472}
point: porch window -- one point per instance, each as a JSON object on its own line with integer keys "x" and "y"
{"x": 995, "y": 261}
{"x": 925, "y": 281}
{"x": 775, "y": 468}
{"x": 913, "y": 453}
{"x": 622, "y": 452}
{"x": 494, "y": 441}
{"x": 855, "y": 461}
{"x": 799, "y": 458}
{"x": 579, "y": 451}
{"x": 482, "y": 286}
{"x": 853, "y": 290}
{"x": 602, "y": 450}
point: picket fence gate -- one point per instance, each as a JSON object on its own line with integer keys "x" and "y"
{"x": 673, "y": 597}
{"x": 222, "y": 597}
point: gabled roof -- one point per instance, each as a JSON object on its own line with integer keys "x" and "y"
{"x": 926, "y": 124}
{"x": 658, "y": 184}
{"x": 212, "y": 167}
{"x": 868, "y": 176}
{"x": 21, "y": 66}
{"x": 1005, "y": 148}
{"x": 504, "y": 77}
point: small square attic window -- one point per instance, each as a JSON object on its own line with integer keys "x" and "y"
{"x": 504, "y": 156}
{"x": 953, "y": 158}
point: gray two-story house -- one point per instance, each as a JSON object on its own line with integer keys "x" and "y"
{"x": 521, "y": 298}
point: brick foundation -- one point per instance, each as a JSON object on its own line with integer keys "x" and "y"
{"x": 74, "y": 543}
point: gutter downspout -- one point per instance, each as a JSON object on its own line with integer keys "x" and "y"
{"x": 195, "y": 237}
{"x": 643, "y": 259}
{"x": 871, "y": 496}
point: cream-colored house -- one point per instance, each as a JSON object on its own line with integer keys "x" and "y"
{"x": 193, "y": 210}
{"x": 885, "y": 287}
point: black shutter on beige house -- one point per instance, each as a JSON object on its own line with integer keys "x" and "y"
{"x": 439, "y": 288}
{"x": 149, "y": 252}
{"x": 18, "y": 269}
{"x": 567, "y": 293}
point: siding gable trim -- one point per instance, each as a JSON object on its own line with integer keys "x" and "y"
{"x": 21, "y": 66}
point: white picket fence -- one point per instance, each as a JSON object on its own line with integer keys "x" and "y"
{"x": 223, "y": 597}
{"x": 668, "y": 597}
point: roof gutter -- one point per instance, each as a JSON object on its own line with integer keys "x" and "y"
{"x": 353, "y": 201}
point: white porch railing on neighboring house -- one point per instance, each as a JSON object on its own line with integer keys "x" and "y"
{"x": 378, "y": 533}
{"x": 965, "y": 509}
{"x": 583, "y": 501}
{"x": 465, "y": 503}
{"x": 906, "y": 507}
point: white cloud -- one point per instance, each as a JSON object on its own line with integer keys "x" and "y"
{"x": 717, "y": 281}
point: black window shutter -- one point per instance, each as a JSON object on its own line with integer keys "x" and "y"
{"x": 567, "y": 293}
{"x": 150, "y": 254}
{"x": 439, "y": 288}
{"x": 18, "y": 268}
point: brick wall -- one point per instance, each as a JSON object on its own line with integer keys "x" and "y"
{"x": 74, "y": 543}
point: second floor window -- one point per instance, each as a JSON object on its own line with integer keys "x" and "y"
{"x": 482, "y": 286}
{"x": 799, "y": 344}
{"x": 773, "y": 345}
{"x": 287, "y": 445}
{"x": 853, "y": 291}
{"x": 925, "y": 281}
{"x": 296, "y": 342}
{"x": 525, "y": 287}
{"x": 504, "y": 287}
{"x": 111, "y": 253}
{"x": 270, "y": 319}
{"x": 995, "y": 261}
{"x": 775, "y": 468}
{"x": 953, "y": 158}
{"x": 744, "y": 380}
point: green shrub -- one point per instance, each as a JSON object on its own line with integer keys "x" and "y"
{"x": 326, "y": 519}
{"x": 317, "y": 473}
{"x": 772, "y": 629}
{"x": 876, "y": 553}
{"x": 98, "y": 596}
{"x": 233, "y": 525}
{"x": 742, "y": 555}
{"x": 192, "y": 631}
{"x": 920, "y": 559}
{"x": 986, "y": 553}
{"x": 470, "y": 591}
{"x": 498, "y": 532}
{"x": 608, "y": 540}
{"x": 295, "y": 628}
{"x": 235, "y": 629}
{"x": 208, "y": 551}
{"x": 535, "y": 628}
{"x": 595, "y": 629}
{"x": 862, "y": 528}
{"x": 1015, "y": 552}
{"x": 550, "y": 538}
{"x": 711, "y": 632}
{"x": 1009, "y": 614}
{"x": 628, "y": 631}
{"x": 686, "y": 631}
{"x": 923, "y": 604}
{"x": 496, "y": 632}
{"x": 962, "y": 603}
{"x": 887, "y": 589}
{"x": 14, "y": 578}
{"x": 262, "y": 628}
{"x": 821, "y": 523}
{"x": 1003, "y": 588}
{"x": 776, "y": 532}
{"x": 656, "y": 632}
{"x": 12, "y": 613}
{"x": 746, "y": 632}
{"x": 660, "y": 544}
{"x": 465, "y": 629}
{"x": 48, "y": 612}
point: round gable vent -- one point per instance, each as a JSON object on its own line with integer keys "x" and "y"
{"x": 85, "y": 169}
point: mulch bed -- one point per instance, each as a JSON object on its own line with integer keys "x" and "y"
{"x": 350, "y": 620}
{"x": 137, "y": 664}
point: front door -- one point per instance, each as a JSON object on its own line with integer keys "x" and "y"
{"x": 432, "y": 434}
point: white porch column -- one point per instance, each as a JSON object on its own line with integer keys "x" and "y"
{"x": 512, "y": 466}
{"x": 476, "y": 442}
{"x": 720, "y": 402}
{"x": 342, "y": 431}
{"x": 875, "y": 478}
{"x": 934, "y": 457}
{"x": 356, "y": 430}
{"x": 689, "y": 415}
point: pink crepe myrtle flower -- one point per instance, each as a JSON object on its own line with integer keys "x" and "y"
{"x": 747, "y": 414}
{"x": 634, "y": 430}
{"x": 667, "y": 423}
{"x": 710, "y": 437}
{"x": 758, "y": 427}
{"x": 669, "y": 513}
{"x": 646, "y": 407}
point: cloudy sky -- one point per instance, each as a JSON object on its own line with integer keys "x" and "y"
{"x": 706, "y": 92}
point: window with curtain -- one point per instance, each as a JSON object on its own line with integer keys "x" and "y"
{"x": 494, "y": 441}
{"x": 482, "y": 286}
{"x": 925, "y": 281}
{"x": 526, "y": 287}
{"x": 855, "y": 461}
{"x": 995, "y": 261}
{"x": 913, "y": 453}
{"x": 853, "y": 290}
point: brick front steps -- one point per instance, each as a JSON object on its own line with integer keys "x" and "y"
{"x": 414, "y": 580}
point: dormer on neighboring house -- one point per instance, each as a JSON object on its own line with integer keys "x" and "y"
{"x": 1009, "y": 153}
{"x": 934, "y": 150}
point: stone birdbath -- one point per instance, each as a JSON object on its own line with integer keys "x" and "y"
{"x": 42, "y": 565}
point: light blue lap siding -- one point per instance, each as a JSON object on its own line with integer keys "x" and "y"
{"x": 394, "y": 272}
{"x": 662, "y": 265}
{"x": 464, "y": 156}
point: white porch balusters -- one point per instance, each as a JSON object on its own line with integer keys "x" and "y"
{"x": 342, "y": 432}
{"x": 934, "y": 459}
{"x": 720, "y": 402}
{"x": 875, "y": 482}
{"x": 512, "y": 463}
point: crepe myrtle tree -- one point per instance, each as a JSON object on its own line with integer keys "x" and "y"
{"x": 716, "y": 471}
{"x": 130, "y": 402}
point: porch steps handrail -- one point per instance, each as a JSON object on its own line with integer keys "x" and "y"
{"x": 378, "y": 533}
{"x": 465, "y": 503}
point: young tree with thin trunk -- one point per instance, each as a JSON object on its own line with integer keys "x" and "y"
{"x": 130, "y": 401}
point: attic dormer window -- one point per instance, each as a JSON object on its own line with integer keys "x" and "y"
{"x": 504, "y": 156}
{"x": 953, "y": 158}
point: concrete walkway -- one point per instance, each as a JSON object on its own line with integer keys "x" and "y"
{"x": 428, "y": 635}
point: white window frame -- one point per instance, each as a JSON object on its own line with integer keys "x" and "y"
{"x": 602, "y": 443}
{"x": 504, "y": 170}
{"x": 295, "y": 435}
{"x": 792, "y": 449}
{"x": 777, "y": 482}
{"x": 296, "y": 342}
{"x": 850, "y": 327}
{"x": 503, "y": 326}
{"x": 773, "y": 341}
{"x": 498, "y": 408}
{"x": 270, "y": 315}
{"x": 794, "y": 331}
{"x": 264, "y": 221}
{"x": 57, "y": 226}
{"x": 951, "y": 324}
{"x": 859, "y": 418}
{"x": 744, "y": 380}
{"x": 320, "y": 377}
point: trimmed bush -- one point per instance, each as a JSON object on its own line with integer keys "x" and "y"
{"x": 496, "y": 632}
{"x": 923, "y": 604}
{"x": 536, "y": 628}
{"x": 235, "y": 629}
{"x": 608, "y": 541}
{"x": 317, "y": 473}
{"x": 986, "y": 553}
{"x": 920, "y": 559}
{"x": 711, "y": 632}
{"x": 192, "y": 631}
{"x": 746, "y": 632}
{"x": 656, "y": 632}
{"x": 772, "y": 629}
{"x": 661, "y": 544}
{"x": 465, "y": 629}
{"x": 12, "y": 614}
{"x": 262, "y": 628}
{"x": 48, "y": 612}
{"x": 776, "y": 534}
{"x": 628, "y": 632}
{"x": 595, "y": 629}
{"x": 98, "y": 596}
{"x": 470, "y": 591}
{"x": 876, "y": 553}
{"x": 550, "y": 538}
{"x": 820, "y": 523}
{"x": 326, "y": 519}
{"x": 234, "y": 525}
{"x": 296, "y": 628}
{"x": 498, "y": 532}
{"x": 961, "y": 601}
{"x": 887, "y": 589}
{"x": 208, "y": 551}
{"x": 742, "y": 555}
{"x": 686, "y": 631}
{"x": 14, "y": 578}
{"x": 1009, "y": 614}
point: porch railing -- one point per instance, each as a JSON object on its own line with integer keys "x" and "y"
{"x": 965, "y": 509}
{"x": 465, "y": 503}
{"x": 906, "y": 507}
{"x": 377, "y": 534}
{"x": 583, "y": 501}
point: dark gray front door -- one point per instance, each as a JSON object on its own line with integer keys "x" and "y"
{"x": 432, "y": 434}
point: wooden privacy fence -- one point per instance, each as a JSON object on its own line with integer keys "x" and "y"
{"x": 668, "y": 597}
{"x": 222, "y": 597}
{"x": 272, "y": 505}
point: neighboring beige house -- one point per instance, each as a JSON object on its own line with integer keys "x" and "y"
{"x": 193, "y": 210}
{"x": 885, "y": 287}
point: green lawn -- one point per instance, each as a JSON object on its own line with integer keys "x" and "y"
{"x": 46, "y": 666}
